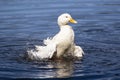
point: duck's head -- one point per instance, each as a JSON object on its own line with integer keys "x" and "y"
{"x": 64, "y": 19}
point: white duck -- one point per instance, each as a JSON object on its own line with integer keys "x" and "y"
{"x": 61, "y": 44}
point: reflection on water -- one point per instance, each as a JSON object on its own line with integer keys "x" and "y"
{"x": 56, "y": 69}
{"x": 65, "y": 68}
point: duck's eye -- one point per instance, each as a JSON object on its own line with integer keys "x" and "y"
{"x": 66, "y": 16}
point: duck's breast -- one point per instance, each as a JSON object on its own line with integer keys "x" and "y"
{"x": 65, "y": 37}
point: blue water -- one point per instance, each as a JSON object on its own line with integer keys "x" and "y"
{"x": 25, "y": 23}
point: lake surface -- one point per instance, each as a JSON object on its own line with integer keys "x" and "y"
{"x": 25, "y": 23}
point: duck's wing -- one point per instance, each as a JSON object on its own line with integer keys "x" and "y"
{"x": 48, "y": 41}
{"x": 43, "y": 52}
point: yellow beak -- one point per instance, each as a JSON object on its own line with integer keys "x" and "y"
{"x": 72, "y": 20}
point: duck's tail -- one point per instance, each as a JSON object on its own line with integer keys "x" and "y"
{"x": 78, "y": 52}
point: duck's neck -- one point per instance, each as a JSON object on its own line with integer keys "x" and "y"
{"x": 65, "y": 26}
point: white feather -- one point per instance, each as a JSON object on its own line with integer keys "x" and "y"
{"x": 42, "y": 52}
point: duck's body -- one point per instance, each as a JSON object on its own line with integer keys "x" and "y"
{"x": 64, "y": 39}
{"x": 61, "y": 44}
